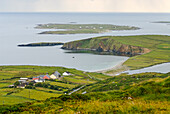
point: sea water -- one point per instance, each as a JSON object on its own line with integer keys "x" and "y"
{"x": 18, "y": 28}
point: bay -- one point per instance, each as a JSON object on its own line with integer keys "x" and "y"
{"x": 18, "y": 28}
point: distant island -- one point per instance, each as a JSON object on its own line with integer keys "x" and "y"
{"x": 161, "y": 22}
{"x": 82, "y": 28}
{"x": 41, "y": 44}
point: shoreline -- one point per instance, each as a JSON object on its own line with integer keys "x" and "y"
{"x": 117, "y": 67}
{"x": 114, "y": 71}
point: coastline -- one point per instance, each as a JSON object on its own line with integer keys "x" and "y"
{"x": 115, "y": 70}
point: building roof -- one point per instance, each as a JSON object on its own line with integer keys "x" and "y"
{"x": 47, "y": 75}
{"x": 66, "y": 73}
{"x": 40, "y": 76}
{"x": 23, "y": 78}
{"x": 39, "y": 80}
{"x": 56, "y": 73}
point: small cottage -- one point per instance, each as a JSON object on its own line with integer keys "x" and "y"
{"x": 46, "y": 77}
{"x": 22, "y": 85}
{"x": 66, "y": 73}
{"x": 23, "y": 81}
{"x": 55, "y": 75}
{"x": 11, "y": 86}
{"x": 41, "y": 77}
{"x": 39, "y": 80}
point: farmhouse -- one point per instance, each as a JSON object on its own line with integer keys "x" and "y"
{"x": 23, "y": 81}
{"x": 11, "y": 86}
{"x": 39, "y": 80}
{"x": 42, "y": 77}
{"x": 55, "y": 75}
{"x": 66, "y": 73}
{"x": 22, "y": 85}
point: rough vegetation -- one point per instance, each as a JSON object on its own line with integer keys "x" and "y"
{"x": 146, "y": 93}
{"x": 151, "y": 49}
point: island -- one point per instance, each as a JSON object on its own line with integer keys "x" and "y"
{"x": 82, "y": 28}
{"x": 144, "y": 50}
{"x": 161, "y": 22}
{"x": 41, "y": 44}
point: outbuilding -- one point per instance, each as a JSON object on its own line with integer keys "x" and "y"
{"x": 66, "y": 74}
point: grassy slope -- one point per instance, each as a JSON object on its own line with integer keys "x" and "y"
{"x": 149, "y": 96}
{"x": 10, "y": 74}
{"x": 122, "y": 81}
{"x": 82, "y": 28}
{"x": 158, "y": 44}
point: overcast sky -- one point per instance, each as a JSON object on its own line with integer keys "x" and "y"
{"x": 84, "y": 5}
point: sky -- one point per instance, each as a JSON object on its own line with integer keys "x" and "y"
{"x": 85, "y": 6}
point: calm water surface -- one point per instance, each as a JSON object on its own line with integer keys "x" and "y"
{"x": 18, "y": 28}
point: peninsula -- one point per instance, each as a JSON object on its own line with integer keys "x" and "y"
{"x": 82, "y": 28}
{"x": 162, "y": 22}
{"x": 145, "y": 50}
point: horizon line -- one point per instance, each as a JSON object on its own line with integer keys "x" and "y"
{"x": 82, "y": 12}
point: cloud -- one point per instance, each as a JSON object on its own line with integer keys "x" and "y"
{"x": 85, "y": 5}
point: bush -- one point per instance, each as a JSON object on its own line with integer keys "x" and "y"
{"x": 74, "y": 97}
{"x": 30, "y": 87}
{"x": 38, "y": 85}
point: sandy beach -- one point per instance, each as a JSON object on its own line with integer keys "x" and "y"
{"x": 115, "y": 70}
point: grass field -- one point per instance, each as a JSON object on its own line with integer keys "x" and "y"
{"x": 82, "y": 28}
{"x": 10, "y": 74}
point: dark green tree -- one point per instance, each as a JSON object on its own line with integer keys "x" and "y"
{"x": 16, "y": 83}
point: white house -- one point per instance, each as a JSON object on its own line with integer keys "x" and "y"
{"x": 23, "y": 78}
{"x": 66, "y": 74}
{"x": 39, "y": 80}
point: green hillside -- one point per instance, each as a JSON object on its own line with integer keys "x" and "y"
{"x": 150, "y": 49}
{"x": 150, "y": 94}
{"x": 51, "y": 88}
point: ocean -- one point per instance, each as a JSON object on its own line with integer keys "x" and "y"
{"x": 18, "y": 28}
